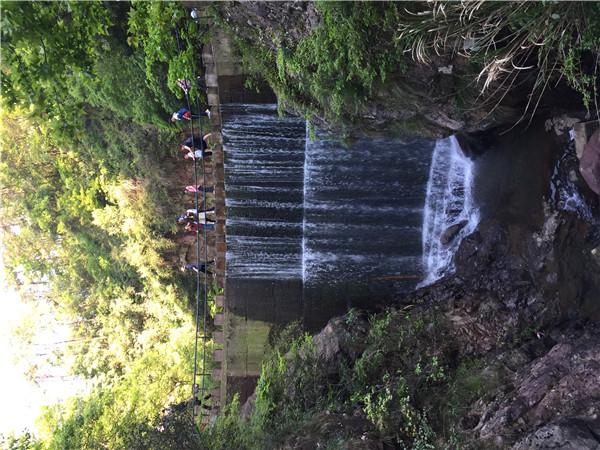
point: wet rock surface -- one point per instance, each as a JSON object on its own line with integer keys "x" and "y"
{"x": 590, "y": 162}
{"x": 452, "y": 231}
{"x": 549, "y": 398}
{"x": 567, "y": 434}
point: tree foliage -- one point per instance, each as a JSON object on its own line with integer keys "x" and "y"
{"x": 87, "y": 173}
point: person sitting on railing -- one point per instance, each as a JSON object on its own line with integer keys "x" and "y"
{"x": 185, "y": 114}
{"x": 199, "y": 188}
{"x": 193, "y": 215}
{"x": 196, "y": 154}
{"x": 194, "y": 226}
{"x": 197, "y": 267}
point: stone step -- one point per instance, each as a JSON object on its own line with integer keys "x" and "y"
{"x": 218, "y": 355}
{"x": 213, "y": 100}
{"x": 219, "y": 337}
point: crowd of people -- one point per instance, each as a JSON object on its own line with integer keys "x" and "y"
{"x": 195, "y": 148}
{"x": 194, "y": 220}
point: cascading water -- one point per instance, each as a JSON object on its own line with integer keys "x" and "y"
{"x": 363, "y": 206}
{"x": 264, "y": 167}
{"x": 564, "y": 192}
{"x": 450, "y": 213}
{"x": 317, "y": 226}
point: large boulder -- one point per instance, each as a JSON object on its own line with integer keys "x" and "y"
{"x": 590, "y": 162}
{"x": 342, "y": 339}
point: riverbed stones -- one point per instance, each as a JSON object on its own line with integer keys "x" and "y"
{"x": 589, "y": 165}
{"x": 567, "y": 434}
{"x": 553, "y": 399}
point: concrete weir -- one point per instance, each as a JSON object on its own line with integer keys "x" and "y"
{"x": 233, "y": 334}
{"x": 220, "y": 246}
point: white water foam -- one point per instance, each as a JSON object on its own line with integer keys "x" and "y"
{"x": 305, "y": 184}
{"x": 565, "y": 194}
{"x": 449, "y": 202}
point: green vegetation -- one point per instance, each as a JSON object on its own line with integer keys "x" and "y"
{"x": 405, "y": 389}
{"x": 359, "y": 53}
{"x": 334, "y": 70}
{"x": 90, "y": 184}
{"x": 88, "y": 174}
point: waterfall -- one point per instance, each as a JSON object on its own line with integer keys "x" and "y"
{"x": 357, "y": 220}
{"x": 362, "y": 213}
{"x": 449, "y": 213}
{"x": 264, "y": 178}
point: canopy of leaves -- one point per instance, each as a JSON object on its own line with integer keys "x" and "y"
{"x": 90, "y": 185}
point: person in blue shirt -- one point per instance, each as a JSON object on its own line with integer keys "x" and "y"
{"x": 185, "y": 114}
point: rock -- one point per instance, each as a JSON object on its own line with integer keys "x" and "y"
{"x": 583, "y": 131}
{"x": 595, "y": 252}
{"x": 567, "y": 434}
{"x": 554, "y": 398}
{"x": 452, "y": 231}
{"x": 248, "y": 407}
{"x": 342, "y": 338}
{"x": 589, "y": 165}
{"x": 475, "y": 144}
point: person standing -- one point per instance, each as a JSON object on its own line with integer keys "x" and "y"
{"x": 198, "y": 154}
{"x": 196, "y": 142}
{"x": 192, "y": 215}
{"x": 194, "y": 226}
